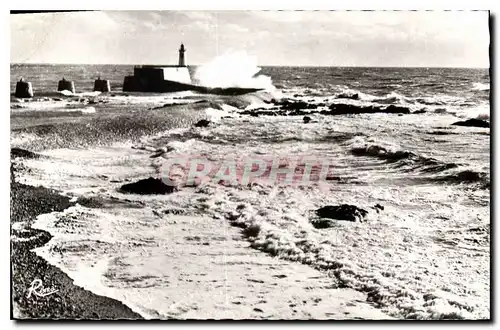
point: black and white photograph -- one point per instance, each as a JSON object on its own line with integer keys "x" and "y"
{"x": 250, "y": 165}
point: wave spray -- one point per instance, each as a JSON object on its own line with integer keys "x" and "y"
{"x": 235, "y": 69}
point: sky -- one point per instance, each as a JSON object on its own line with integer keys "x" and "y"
{"x": 291, "y": 38}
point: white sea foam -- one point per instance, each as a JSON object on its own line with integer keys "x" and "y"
{"x": 235, "y": 69}
{"x": 481, "y": 87}
{"x": 420, "y": 241}
{"x": 421, "y": 257}
{"x": 81, "y": 94}
{"x": 479, "y": 112}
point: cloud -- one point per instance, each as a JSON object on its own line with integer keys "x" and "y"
{"x": 374, "y": 38}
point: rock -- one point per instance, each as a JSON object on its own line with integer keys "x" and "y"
{"x": 162, "y": 151}
{"x": 382, "y": 153}
{"x": 348, "y": 96}
{"x": 396, "y": 109}
{"x": 18, "y": 152}
{"x": 251, "y": 231}
{"x": 472, "y": 123}
{"x": 149, "y": 186}
{"x": 342, "y": 212}
{"x": 202, "y": 123}
{"x": 306, "y": 119}
{"x": 297, "y": 105}
{"x": 323, "y": 223}
{"x": 378, "y": 208}
{"x": 345, "y": 109}
{"x": 466, "y": 176}
{"x": 419, "y": 111}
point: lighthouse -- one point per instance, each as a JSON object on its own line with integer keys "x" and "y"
{"x": 160, "y": 78}
{"x": 182, "y": 61}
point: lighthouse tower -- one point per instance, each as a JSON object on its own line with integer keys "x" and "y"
{"x": 182, "y": 61}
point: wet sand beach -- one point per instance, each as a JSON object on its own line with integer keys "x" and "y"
{"x": 70, "y": 301}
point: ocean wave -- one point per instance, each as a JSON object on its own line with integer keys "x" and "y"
{"x": 480, "y": 86}
{"x": 429, "y": 169}
{"x": 384, "y": 287}
{"x": 236, "y": 69}
{"x": 391, "y": 98}
{"x": 347, "y": 92}
{"x": 466, "y": 176}
{"x": 401, "y": 158}
{"x": 100, "y": 131}
{"x": 477, "y": 112}
{"x": 432, "y": 103}
{"x": 394, "y": 98}
{"x": 382, "y": 152}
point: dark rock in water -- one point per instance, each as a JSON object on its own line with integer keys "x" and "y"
{"x": 306, "y": 119}
{"x": 396, "y": 109}
{"x": 340, "y": 212}
{"x": 345, "y": 109}
{"x": 254, "y": 114}
{"x": 382, "y": 153}
{"x": 202, "y": 123}
{"x": 419, "y": 111}
{"x": 18, "y": 152}
{"x": 297, "y": 105}
{"x": 251, "y": 231}
{"x": 323, "y": 223}
{"x": 469, "y": 176}
{"x": 441, "y": 133}
{"x": 149, "y": 186}
{"x": 378, "y": 208}
{"x": 472, "y": 123}
{"x": 91, "y": 202}
{"x": 348, "y": 96}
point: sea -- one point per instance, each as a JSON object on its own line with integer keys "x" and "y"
{"x": 426, "y": 255}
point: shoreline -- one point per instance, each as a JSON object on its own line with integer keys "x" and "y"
{"x": 253, "y": 284}
{"x": 70, "y": 301}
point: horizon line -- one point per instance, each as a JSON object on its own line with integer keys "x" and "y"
{"x": 268, "y": 65}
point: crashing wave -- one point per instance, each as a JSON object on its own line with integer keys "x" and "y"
{"x": 481, "y": 86}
